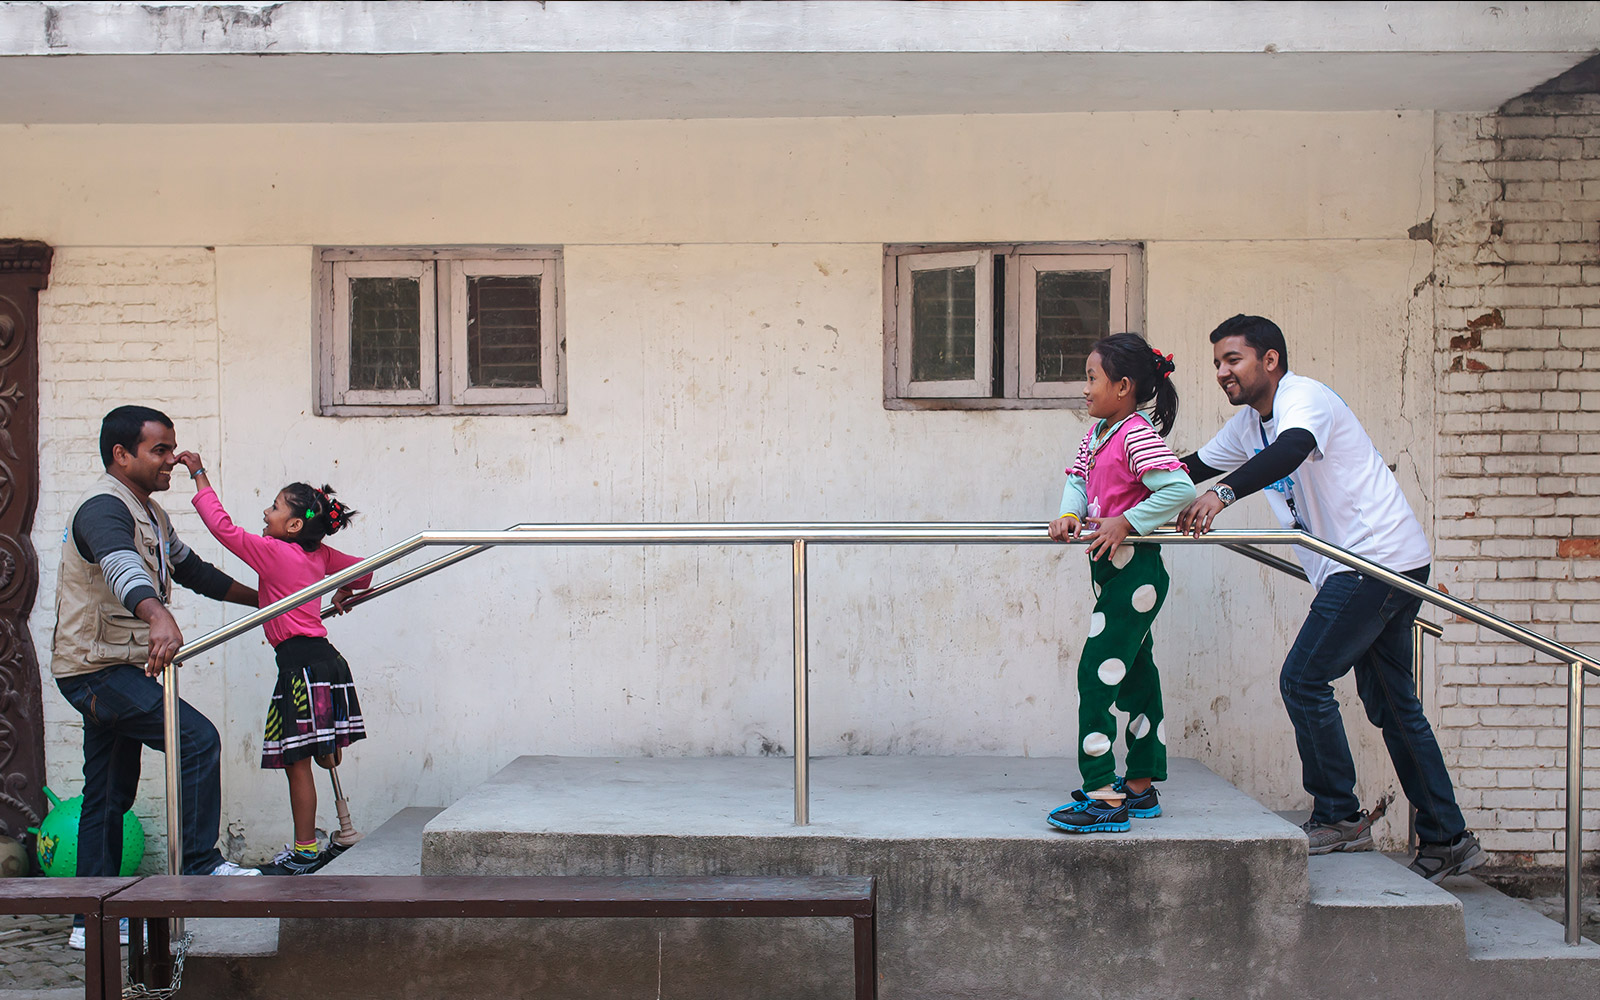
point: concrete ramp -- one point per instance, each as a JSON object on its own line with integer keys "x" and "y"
{"x": 979, "y": 898}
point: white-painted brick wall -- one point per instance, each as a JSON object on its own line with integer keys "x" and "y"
{"x": 117, "y": 326}
{"x": 1518, "y": 302}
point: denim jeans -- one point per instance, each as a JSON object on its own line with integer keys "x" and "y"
{"x": 122, "y": 715}
{"x": 1361, "y": 623}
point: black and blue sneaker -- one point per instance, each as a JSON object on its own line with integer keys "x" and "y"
{"x": 1086, "y": 815}
{"x": 1143, "y": 805}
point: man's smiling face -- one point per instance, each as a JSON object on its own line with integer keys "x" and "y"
{"x": 1245, "y": 376}
{"x": 150, "y": 466}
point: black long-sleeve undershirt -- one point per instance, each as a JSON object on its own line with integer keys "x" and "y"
{"x": 1274, "y": 462}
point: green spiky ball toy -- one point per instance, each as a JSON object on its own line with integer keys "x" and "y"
{"x": 56, "y": 839}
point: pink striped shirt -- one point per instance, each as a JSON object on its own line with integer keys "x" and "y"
{"x": 283, "y": 568}
{"x": 1112, "y": 481}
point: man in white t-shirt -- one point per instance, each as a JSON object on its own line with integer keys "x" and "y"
{"x": 1295, "y": 438}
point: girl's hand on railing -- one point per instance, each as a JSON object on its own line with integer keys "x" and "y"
{"x": 1107, "y": 535}
{"x": 341, "y": 597}
{"x": 1065, "y": 528}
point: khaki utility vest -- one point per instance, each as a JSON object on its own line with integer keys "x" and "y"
{"x": 93, "y": 629}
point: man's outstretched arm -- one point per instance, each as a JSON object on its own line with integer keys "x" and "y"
{"x": 1274, "y": 462}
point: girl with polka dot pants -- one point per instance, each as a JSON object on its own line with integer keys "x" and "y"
{"x": 1124, "y": 481}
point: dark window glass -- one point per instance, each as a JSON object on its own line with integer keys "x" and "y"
{"x": 503, "y": 331}
{"x": 1072, "y": 310}
{"x": 944, "y": 325}
{"x": 385, "y": 333}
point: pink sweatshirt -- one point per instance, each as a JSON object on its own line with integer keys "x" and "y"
{"x": 283, "y": 567}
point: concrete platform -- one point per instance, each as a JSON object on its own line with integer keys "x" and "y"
{"x": 979, "y": 899}
{"x": 974, "y": 886}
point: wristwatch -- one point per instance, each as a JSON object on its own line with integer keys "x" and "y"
{"x": 1224, "y": 493}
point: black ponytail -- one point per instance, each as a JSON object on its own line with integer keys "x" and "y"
{"x": 321, "y": 513}
{"x": 1127, "y": 355}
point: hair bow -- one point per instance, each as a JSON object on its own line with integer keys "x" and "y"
{"x": 1164, "y": 363}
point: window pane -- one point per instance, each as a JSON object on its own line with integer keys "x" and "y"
{"x": 944, "y": 325}
{"x": 1072, "y": 310}
{"x": 503, "y": 331}
{"x": 385, "y": 333}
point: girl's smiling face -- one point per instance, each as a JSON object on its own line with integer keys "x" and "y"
{"x": 1106, "y": 398}
{"x": 281, "y": 522}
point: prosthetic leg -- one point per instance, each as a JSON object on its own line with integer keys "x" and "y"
{"x": 347, "y": 836}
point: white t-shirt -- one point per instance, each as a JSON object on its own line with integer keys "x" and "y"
{"x": 1343, "y": 492}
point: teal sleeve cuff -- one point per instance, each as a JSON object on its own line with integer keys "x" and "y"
{"x": 1075, "y": 498}
{"x": 1170, "y": 490}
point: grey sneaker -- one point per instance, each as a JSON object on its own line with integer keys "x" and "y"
{"x": 1437, "y": 862}
{"x": 1345, "y": 835}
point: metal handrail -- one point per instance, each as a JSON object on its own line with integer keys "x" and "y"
{"x": 798, "y": 536}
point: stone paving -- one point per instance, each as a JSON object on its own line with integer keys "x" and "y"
{"x": 34, "y": 954}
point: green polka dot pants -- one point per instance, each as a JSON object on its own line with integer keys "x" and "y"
{"x": 1118, "y": 668}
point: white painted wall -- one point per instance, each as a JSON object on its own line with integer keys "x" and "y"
{"x": 724, "y": 344}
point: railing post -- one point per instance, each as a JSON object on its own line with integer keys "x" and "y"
{"x": 802, "y": 694}
{"x": 1417, "y": 675}
{"x": 1574, "y": 846}
{"x": 160, "y": 961}
{"x": 174, "y": 754}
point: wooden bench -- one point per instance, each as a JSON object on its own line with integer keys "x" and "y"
{"x": 160, "y": 897}
{"x": 75, "y": 895}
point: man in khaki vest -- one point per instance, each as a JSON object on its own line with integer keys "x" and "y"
{"x": 114, "y": 636}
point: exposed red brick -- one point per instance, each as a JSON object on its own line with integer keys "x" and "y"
{"x": 1469, "y": 342}
{"x": 1578, "y": 548}
{"x": 1474, "y": 365}
{"x": 1491, "y": 320}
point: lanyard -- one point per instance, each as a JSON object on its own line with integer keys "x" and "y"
{"x": 164, "y": 572}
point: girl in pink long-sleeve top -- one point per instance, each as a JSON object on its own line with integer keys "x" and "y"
{"x": 314, "y": 711}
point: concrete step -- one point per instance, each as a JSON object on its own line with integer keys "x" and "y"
{"x": 1490, "y": 944}
{"x": 395, "y": 848}
{"x": 1515, "y": 947}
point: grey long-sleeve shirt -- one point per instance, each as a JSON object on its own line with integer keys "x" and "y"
{"x": 103, "y": 533}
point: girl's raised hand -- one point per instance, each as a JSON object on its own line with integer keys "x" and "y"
{"x": 191, "y": 460}
{"x": 1107, "y": 535}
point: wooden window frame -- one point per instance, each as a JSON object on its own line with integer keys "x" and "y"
{"x": 1009, "y": 391}
{"x": 982, "y": 263}
{"x": 445, "y": 349}
{"x": 1028, "y": 267}
{"x": 427, "y": 392}
{"x": 463, "y": 394}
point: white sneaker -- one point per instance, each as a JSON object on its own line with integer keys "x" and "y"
{"x": 229, "y": 868}
{"x": 78, "y": 939}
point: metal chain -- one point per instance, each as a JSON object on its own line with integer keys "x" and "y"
{"x": 143, "y": 992}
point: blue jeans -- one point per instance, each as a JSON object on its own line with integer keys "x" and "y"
{"x": 1360, "y": 622}
{"x": 121, "y": 710}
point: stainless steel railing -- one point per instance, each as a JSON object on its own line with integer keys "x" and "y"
{"x": 798, "y": 536}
